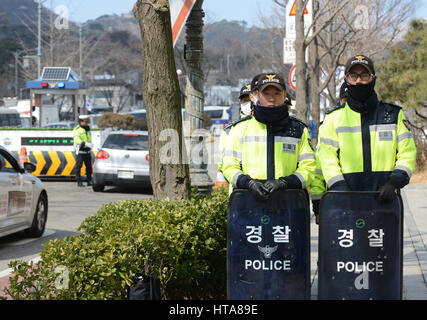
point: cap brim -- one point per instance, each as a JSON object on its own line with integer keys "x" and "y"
{"x": 276, "y": 85}
{"x": 362, "y": 64}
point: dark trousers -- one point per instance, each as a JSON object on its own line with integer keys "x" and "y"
{"x": 87, "y": 159}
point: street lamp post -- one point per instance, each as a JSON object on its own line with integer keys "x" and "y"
{"x": 195, "y": 97}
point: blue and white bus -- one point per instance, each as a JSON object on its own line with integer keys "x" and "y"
{"x": 220, "y": 116}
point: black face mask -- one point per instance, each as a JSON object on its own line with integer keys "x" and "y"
{"x": 361, "y": 92}
{"x": 270, "y": 115}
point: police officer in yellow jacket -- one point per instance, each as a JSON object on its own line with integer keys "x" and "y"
{"x": 245, "y": 110}
{"x": 318, "y": 186}
{"x": 269, "y": 151}
{"x": 83, "y": 147}
{"x": 365, "y": 144}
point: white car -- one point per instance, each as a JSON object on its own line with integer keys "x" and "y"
{"x": 122, "y": 161}
{"x": 23, "y": 198}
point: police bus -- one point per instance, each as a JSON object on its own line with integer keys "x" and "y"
{"x": 220, "y": 116}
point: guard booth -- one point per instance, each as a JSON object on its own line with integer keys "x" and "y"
{"x": 268, "y": 246}
{"x": 58, "y": 81}
{"x": 360, "y": 247}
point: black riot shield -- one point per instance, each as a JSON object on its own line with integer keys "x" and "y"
{"x": 360, "y": 247}
{"x": 268, "y": 246}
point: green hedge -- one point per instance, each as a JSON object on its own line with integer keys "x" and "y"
{"x": 181, "y": 242}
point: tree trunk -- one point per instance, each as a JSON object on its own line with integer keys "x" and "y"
{"x": 169, "y": 174}
{"x": 315, "y": 74}
{"x": 300, "y": 71}
{"x": 314, "y": 84}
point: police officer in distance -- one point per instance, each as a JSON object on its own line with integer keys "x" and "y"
{"x": 245, "y": 110}
{"x": 83, "y": 147}
{"x": 365, "y": 144}
{"x": 269, "y": 151}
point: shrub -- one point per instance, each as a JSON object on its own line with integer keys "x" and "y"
{"x": 121, "y": 122}
{"x": 183, "y": 242}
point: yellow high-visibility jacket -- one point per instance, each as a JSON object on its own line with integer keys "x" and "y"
{"x": 318, "y": 187}
{"x": 266, "y": 152}
{"x": 80, "y": 135}
{"x": 363, "y": 149}
{"x": 224, "y": 135}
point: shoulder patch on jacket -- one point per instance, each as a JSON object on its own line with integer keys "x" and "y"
{"x": 232, "y": 124}
{"x": 389, "y": 113}
{"x": 298, "y": 121}
{"x": 390, "y": 104}
{"x": 332, "y": 109}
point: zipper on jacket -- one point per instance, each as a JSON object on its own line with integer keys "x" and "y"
{"x": 270, "y": 154}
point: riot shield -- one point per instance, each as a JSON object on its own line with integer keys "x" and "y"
{"x": 360, "y": 247}
{"x": 268, "y": 246}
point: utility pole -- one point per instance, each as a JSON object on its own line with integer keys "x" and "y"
{"x": 39, "y": 37}
{"x": 80, "y": 49}
{"x": 16, "y": 73}
{"x": 195, "y": 97}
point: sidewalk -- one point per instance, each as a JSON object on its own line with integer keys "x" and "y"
{"x": 414, "y": 245}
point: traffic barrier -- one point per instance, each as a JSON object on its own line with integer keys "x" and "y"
{"x": 220, "y": 179}
{"x": 54, "y": 163}
{"x": 23, "y": 157}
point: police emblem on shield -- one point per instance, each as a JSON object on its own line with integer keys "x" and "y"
{"x": 268, "y": 246}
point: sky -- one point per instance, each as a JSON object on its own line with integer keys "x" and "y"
{"x": 216, "y": 10}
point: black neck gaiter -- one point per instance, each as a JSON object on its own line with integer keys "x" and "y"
{"x": 270, "y": 115}
{"x": 361, "y": 92}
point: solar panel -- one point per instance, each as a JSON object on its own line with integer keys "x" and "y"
{"x": 55, "y": 73}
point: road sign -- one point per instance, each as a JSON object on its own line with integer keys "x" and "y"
{"x": 292, "y": 13}
{"x": 292, "y": 78}
{"x": 289, "y": 55}
{"x": 180, "y": 10}
{"x": 290, "y": 20}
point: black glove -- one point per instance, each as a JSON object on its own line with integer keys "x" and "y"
{"x": 316, "y": 204}
{"x": 273, "y": 185}
{"x": 387, "y": 193}
{"x": 389, "y": 190}
{"x": 258, "y": 190}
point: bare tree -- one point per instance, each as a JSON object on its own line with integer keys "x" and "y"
{"x": 337, "y": 32}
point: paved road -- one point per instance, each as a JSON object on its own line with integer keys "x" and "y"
{"x": 68, "y": 207}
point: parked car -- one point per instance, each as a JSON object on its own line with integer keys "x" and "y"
{"x": 139, "y": 114}
{"x": 23, "y": 198}
{"x": 60, "y": 125}
{"x": 122, "y": 161}
{"x": 101, "y": 109}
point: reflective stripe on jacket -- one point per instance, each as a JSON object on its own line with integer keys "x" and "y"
{"x": 318, "y": 187}
{"x": 265, "y": 152}
{"x": 80, "y": 135}
{"x": 364, "y": 149}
